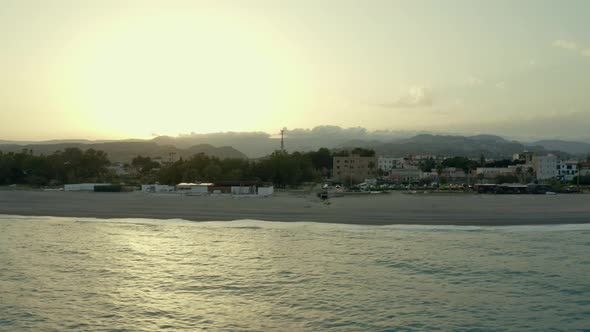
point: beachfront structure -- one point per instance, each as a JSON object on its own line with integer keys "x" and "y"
{"x": 266, "y": 191}
{"x": 353, "y": 168}
{"x": 243, "y": 190}
{"x": 567, "y": 170}
{"x": 193, "y": 188}
{"x": 83, "y": 186}
{"x": 156, "y": 188}
{"x": 545, "y": 167}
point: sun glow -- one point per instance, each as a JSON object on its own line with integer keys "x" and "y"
{"x": 181, "y": 74}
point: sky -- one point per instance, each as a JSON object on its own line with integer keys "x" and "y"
{"x": 111, "y": 69}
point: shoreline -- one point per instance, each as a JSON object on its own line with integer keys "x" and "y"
{"x": 393, "y": 209}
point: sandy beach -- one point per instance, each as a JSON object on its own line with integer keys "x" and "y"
{"x": 396, "y": 208}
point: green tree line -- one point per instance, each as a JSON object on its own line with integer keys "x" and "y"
{"x": 68, "y": 166}
{"x": 280, "y": 168}
{"x": 73, "y": 165}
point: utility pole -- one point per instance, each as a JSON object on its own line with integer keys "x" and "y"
{"x": 283, "y": 139}
{"x": 578, "y": 176}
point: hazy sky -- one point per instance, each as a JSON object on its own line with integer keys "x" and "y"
{"x": 119, "y": 69}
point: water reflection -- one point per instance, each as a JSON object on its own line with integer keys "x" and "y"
{"x": 85, "y": 274}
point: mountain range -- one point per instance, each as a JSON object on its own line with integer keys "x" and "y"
{"x": 259, "y": 144}
{"x": 126, "y": 151}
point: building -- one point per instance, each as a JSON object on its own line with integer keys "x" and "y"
{"x": 410, "y": 162}
{"x": 567, "y": 170}
{"x": 193, "y": 188}
{"x": 266, "y": 191}
{"x": 454, "y": 175}
{"x": 243, "y": 190}
{"x": 118, "y": 169}
{"x": 404, "y": 175}
{"x": 83, "y": 186}
{"x": 156, "y": 188}
{"x": 388, "y": 163}
{"x": 525, "y": 156}
{"x": 353, "y": 167}
{"x": 493, "y": 172}
{"x": 545, "y": 167}
{"x": 234, "y": 187}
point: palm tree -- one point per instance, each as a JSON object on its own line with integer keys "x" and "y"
{"x": 371, "y": 166}
{"x": 480, "y": 177}
{"x": 439, "y": 171}
{"x": 531, "y": 172}
{"x": 519, "y": 174}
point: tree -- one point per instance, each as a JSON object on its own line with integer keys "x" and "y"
{"x": 212, "y": 172}
{"x": 519, "y": 173}
{"x": 583, "y": 179}
{"x": 71, "y": 165}
{"x": 363, "y": 152}
{"x": 463, "y": 163}
{"x": 480, "y": 177}
{"x": 371, "y": 166}
{"x": 439, "y": 171}
{"x": 428, "y": 165}
{"x": 144, "y": 164}
{"x": 322, "y": 158}
{"x": 506, "y": 178}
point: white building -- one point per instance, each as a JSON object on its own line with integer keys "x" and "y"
{"x": 156, "y": 188}
{"x": 388, "y": 163}
{"x": 567, "y": 170}
{"x": 266, "y": 191}
{"x": 193, "y": 188}
{"x": 83, "y": 186}
{"x": 243, "y": 190}
{"x": 545, "y": 167}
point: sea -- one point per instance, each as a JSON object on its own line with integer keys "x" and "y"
{"x": 81, "y": 274}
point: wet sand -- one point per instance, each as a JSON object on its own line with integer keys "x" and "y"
{"x": 395, "y": 208}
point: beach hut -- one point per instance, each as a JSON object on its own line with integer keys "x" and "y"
{"x": 83, "y": 186}
{"x": 266, "y": 191}
{"x": 156, "y": 188}
{"x": 193, "y": 188}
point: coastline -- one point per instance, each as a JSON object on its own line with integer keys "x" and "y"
{"x": 396, "y": 208}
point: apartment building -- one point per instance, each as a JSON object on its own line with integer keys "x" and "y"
{"x": 354, "y": 167}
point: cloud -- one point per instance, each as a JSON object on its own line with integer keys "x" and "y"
{"x": 474, "y": 81}
{"x": 572, "y": 46}
{"x": 566, "y": 44}
{"x": 416, "y": 96}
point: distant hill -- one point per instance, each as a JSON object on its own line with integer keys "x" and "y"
{"x": 252, "y": 144}
{"x": 469, "y": 146}
{"x": 259, "y": 144}
{"x": 57, "y": 141}
{"x": 576, "y": 148}
{"x": 126, "y": 151}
